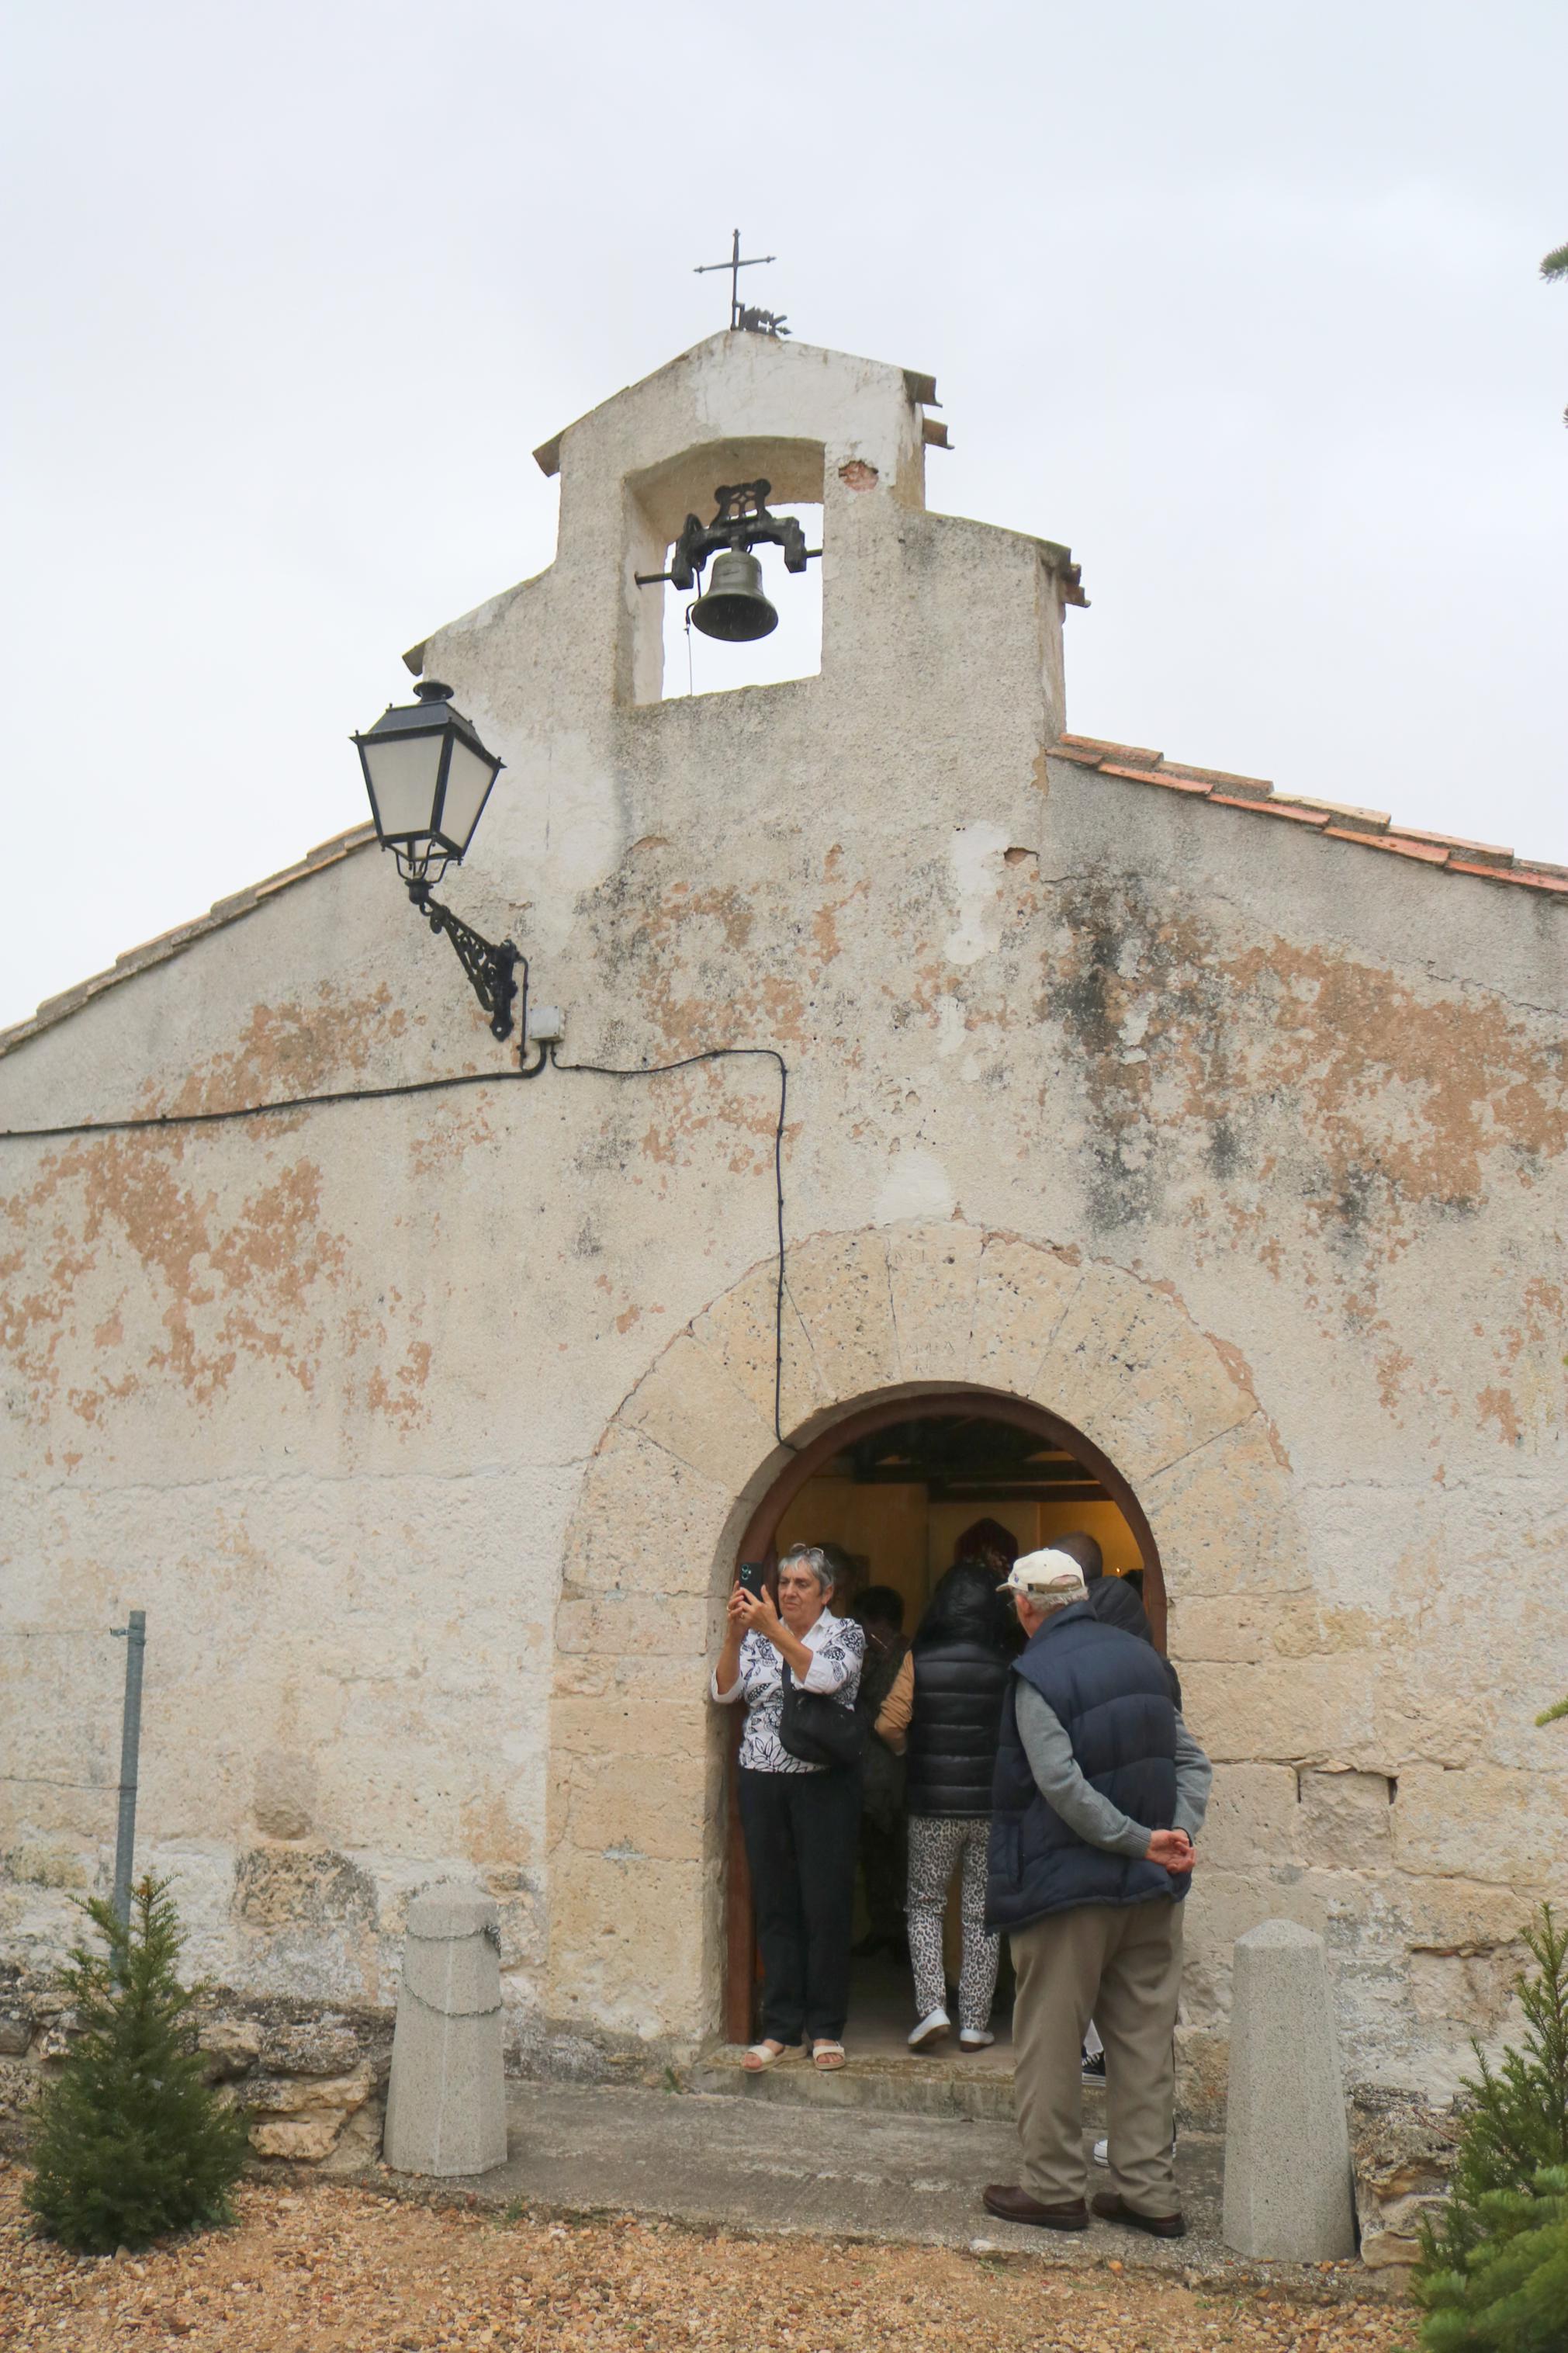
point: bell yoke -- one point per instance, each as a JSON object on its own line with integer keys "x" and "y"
{"x": 732, "y": 605}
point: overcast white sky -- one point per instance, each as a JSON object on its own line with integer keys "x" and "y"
{"x": 1240, "y": 301}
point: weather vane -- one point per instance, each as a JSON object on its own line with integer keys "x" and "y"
{"x": 743, "y": 316}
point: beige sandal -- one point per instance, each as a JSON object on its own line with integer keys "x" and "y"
{"x": 826, "y": 2055}
{"x": 767, "y": 2055}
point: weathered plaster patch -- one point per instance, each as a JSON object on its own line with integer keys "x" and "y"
{"x": 220, "y": 1288}
{"x": 300, "y": 1048}
{"x": 976, "y": 860}
{"x": 916, "y": 1185}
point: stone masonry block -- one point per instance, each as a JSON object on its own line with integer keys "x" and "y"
{"x": 840, "y": 1285}
{"x": 932, "y": 1273}
{"x": 1508, "y": 1825}
{"x": 689, "y": 1405}
{"x": 1234, "y": 1628}
{"x": 1252, "y": 1813}
{"x": 619, "y": 1722}
{"x": 303, "y": 2140}
{"x": 1425, "y": 1718}
{"x": 739, "y": 1331}
{"x": 333, "y": 2095}
{"x": 1346, "y": 1821}
{"x": 1113, "y": 1326}
{"x": 1458, "y": 1914}
{"x": 646, "y": 1522}
{"x": 1163, "y": 1406}
{"x": 626, "y": 1805}
{"x": 1223, "y": 1518}
{"x": 633, "y": 1624}
{"x": 1287, "y": 2143}
{"x": 314, "y": 2048}
{"x": 1471, "y": 1989}
{"x": 1282, "y": 1712}
{"x": 1021, "y": 1295}
{"x": 627, "y": 1939}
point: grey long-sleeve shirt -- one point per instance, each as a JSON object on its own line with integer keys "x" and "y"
{"x": 1093, "y": 1816}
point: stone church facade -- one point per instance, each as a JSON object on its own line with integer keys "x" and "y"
{"x": 1224, "y": 1129}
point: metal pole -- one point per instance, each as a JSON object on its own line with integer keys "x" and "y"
{"x": 135, "y": 1640}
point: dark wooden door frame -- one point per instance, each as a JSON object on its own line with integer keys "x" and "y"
{"x": 757, "y": 1544}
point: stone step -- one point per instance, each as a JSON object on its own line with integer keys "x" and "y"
{"x": 899, "y": 2084}
{"x": 900, "y": 2179}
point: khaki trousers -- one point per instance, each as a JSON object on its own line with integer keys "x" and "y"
{"x": 1121, "y": 1964}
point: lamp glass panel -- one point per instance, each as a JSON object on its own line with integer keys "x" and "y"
{"x": 403, "y": 772}
{"x": 469, "y": 779}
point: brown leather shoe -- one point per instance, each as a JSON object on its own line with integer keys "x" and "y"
{"x": 1111, "y": 2208}
{"x": 1017, "y": 2206}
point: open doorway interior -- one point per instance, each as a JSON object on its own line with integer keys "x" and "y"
{"x": 899, "y": 1506}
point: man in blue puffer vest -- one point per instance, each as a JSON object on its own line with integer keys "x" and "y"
{"x": 1098, "y": 1793}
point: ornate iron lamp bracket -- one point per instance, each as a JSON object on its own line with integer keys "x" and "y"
{"x": 491, "y": 969}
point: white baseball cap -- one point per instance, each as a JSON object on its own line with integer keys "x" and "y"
{"x": 1047, "y": 1576}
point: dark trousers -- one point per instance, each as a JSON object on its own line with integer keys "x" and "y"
{"x": 801, "y": 1831}
{"x": 885, "y": 1869}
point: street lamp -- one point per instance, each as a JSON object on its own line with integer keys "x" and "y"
{"x": 428, "y": 777}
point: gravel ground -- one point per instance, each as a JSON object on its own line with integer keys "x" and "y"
{"x": 328, "y": 2265}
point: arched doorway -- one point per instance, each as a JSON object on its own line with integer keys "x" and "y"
{"x": 901, "y": 1478}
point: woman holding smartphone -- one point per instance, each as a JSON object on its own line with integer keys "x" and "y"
{"x": 801, "y": 1822}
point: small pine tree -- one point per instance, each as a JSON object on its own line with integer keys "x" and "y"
{"x": 1513, "y": 2295}
{"x": 1500, "y": 2228}
{"x": 132, "y": 2141}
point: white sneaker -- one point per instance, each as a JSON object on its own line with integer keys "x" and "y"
{"x": 1102, "y": 2150}
{"x": 974, "y": 2038}
{"x": 932, "y": 2029}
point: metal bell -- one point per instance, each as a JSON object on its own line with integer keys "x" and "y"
{"x": 732, "y": 605}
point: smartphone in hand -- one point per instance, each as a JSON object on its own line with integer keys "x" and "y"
{"x": 751, "y": 1578}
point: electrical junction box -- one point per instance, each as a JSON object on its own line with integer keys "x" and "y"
{"x": 547, "y": 1025}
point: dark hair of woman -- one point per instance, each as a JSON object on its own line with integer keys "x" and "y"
{"x": 966, "y": 1606}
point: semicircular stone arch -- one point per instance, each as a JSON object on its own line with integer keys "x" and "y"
{"x": 636, "y": 1814}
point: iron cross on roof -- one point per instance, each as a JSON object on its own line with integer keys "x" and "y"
{"x": 752, "y": 322}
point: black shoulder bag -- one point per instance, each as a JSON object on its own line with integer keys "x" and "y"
{"x": 814, "y": 1727}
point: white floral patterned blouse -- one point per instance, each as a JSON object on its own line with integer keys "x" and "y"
{"x": 839, "y": 1645}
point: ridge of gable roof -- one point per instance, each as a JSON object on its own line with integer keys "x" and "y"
{"x": 183, "y": 935}
{"x": 1137, "y": 764}
{"x": 1334, "y": 820}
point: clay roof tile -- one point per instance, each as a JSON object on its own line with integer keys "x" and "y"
{"x": 1406, "y": 845}
{"x": 1272, "y": 808}
{"x": 170, "y": 943}
{"x": 1345, "y": 815}
{"x": 1336, "y": 820}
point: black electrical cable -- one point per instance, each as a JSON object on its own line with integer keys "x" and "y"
{"x": 256, "y": 1111}
{"x": 687, "y": 1062}
{"x": 149, "y": 1120}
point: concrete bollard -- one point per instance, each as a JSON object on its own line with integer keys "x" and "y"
{"x": 1287, "y": 2143}
{"x": 446, "y": 2106}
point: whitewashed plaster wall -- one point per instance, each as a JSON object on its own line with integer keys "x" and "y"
{"x": 334, "y": 1395}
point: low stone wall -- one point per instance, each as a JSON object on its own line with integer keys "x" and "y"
{"x": 1402, "y": 2157}
{"x": 312, "y": 2082}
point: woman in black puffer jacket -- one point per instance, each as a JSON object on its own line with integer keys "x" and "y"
{"x": 944, "y": 1712}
